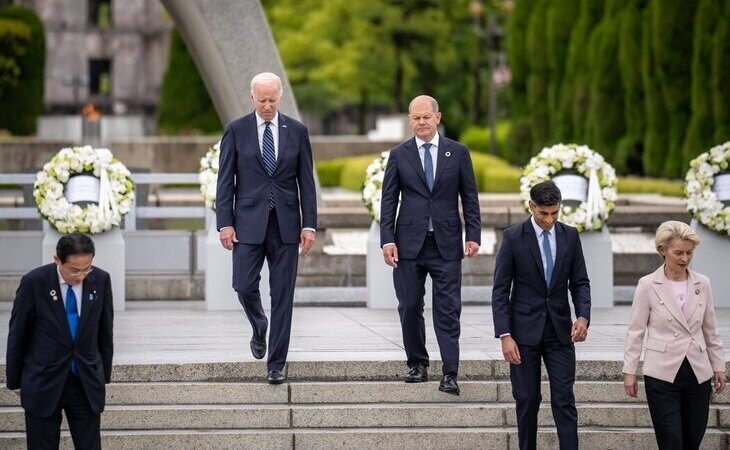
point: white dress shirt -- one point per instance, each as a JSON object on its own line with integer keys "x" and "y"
{"x": 78, "y": 290}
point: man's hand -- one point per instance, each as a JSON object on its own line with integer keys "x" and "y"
{"x": 472, "y": 248}
{"x": 306, "y": 241}
{"x": 631, "y": 385}
{"x": 719, "y": 382}
{"x": 227, "y": 237}
{"x": 17, "y": 392}
{"x": 390, "y": 255}
{"x": 510, "y": 351}
{"x": 580, "y": 330}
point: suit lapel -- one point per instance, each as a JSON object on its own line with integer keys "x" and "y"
{"x": 560, "y": 250}
{"x": 415, "y": 160}
{"x": 283, "y": 134}
{"x": 529, "y": 235}
{"x": 57, "y": 306}
{"x": 88, "y": 291}
{"x": 667, "y": 298}
{"x": 694, "y": 294}
{"x": 252, "y": 138}
{"x": 441, "y": 160}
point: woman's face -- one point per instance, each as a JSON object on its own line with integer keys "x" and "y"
{"x": 678, "y": 254}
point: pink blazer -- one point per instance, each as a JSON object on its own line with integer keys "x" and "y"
{"x": 671, "y": 334}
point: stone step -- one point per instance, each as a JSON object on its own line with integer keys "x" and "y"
{"x": 483, "y": 438}
{"x": 385, "y": 415}
{"x": 343, "y": 392}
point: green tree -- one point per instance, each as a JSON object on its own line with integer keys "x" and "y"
{"x": 561, "y": 19}
{"x": 630, "y": 146}
{"x": 672, "y": 29}
{"x": 605, "y": 118}
{"x": 520, "y": 139}
{"x": 538, "y": 76}
{"x": 720, "y": 75}
{"x": 656, "y": 138}
{"x": 185, "y": 106}
{"x": 22, "y": 102}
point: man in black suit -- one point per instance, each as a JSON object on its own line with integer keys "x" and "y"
{"x": 60, "y": 345}
{"x": 266, "y": 207}
{"x": 539, "y": 261}
{"x": 429, "y": 173}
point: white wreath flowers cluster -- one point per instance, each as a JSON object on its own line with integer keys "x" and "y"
{"x": 702, "y": 201}
{"x": 372, "y": 189}
{"x": 116, "y": 194}
{"x": 208, "y": 174}
{"x": 590, "y": 215}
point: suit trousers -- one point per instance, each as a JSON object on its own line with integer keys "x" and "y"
{"x": 526, "y": 378}
{"x": 44, "y": 433}
{"x": 409, "y": 279}
{"x": 282, "y": 259}
{"x": 679, "y": 410}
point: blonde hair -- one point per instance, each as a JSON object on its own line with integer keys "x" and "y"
{"x": 674, "y": 229}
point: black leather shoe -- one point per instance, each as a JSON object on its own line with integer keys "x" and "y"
{"x": 258, "y": 347}
{"x": 449, "y": 385}
{"x": 417, "y": 374}
{"x": 276, "y": 376}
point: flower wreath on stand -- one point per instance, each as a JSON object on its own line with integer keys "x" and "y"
{"x": 591, "y": 214}
{"x": 208, "y": 174}
{"x": 116, "y": 190}
{"x": 702, "y": 201}
{"x": 372, "y": 188}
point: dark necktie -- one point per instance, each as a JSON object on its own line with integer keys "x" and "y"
{"x": 269, "y": 158}
{"x": 72, "y": 315}
{"x": 548, "y": 256}
{"x": 428, "y": 169}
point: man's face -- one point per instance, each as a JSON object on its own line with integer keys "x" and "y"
{"x": 265, "y": 98}
{"x": 75, "y": 269}
{"x": 424, "y": 120}
{"x": 545, "y": 216}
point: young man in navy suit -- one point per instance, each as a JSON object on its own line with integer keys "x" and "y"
{"x": 429, "y": 173}
{"x": 539, "y": 261}
{"x": 60, "y": 348}
{"x": 266, "y": 207}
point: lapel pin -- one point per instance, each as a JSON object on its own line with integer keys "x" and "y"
{"x": 447, "y": 154}
{"x": 697, "y": 291}
{"x": 54, "y": 296}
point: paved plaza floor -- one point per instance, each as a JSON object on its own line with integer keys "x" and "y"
{"x": 184, "y": 332}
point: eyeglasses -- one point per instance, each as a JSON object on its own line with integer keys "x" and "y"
{"x": 77, "y": 272}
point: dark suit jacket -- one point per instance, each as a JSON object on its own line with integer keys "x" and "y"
{"x": 404, "y": 178}
{"x": 242, "y": 195}
{"x": 40, "y": 347}
{"x": 520, "y": 297}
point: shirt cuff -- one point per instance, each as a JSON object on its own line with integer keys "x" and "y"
{"x": 505, "y": 335}
{"x": 310, "y": 229}
{"x": 388, "y": 244}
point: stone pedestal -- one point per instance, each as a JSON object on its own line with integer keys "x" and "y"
{"x": 110, "y": 256}
{"x": 218, "y": 266}
{"x": 598, "y": 254}
{"x": 379, "y": 276}
{"x": 711, "y": 259}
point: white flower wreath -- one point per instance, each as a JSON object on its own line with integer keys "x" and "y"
{"x": 116, "y": 190}
{"x": 702, "y": 201}
{"x": 591, "y": 214}
{"x": 208, "y": 174}
{"x": 372, "y": 189}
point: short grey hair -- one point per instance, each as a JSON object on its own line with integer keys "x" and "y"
{"x": 434, "y": 103}
{"x": 674, "y": 229}
{"x": 267, "y": 78}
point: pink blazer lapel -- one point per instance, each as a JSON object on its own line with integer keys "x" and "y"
{"x": 664, "y": 291}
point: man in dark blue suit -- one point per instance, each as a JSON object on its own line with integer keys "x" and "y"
{"x": 539, "y": 261}
{"x": 428, "y": 173}
{"x": 60, "y": 346}
{"x": 266, "y": 207}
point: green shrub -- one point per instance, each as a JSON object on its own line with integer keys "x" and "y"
{"x": 185, "y": 106}
{"x": 22, "y": 102}
{"x": 329, "y": 171}
{"x": 636, "y": 185}
{"x": 352, "y": 176}
{"x": 477, "y": 138}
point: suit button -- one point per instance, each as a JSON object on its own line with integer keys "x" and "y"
{"x": 670, "y": 319}
{"x": 661, "y": 302}
{"x": 544, "y": 313}
{"x": 700, "y": 303}
{"x": 676, "y": 334}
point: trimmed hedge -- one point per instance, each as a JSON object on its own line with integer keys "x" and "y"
{"x": 477, "y": 138}
{"x": 635, "y": 185}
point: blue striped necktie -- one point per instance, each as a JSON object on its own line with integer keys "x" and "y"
{"x": 269, "y": 155}
{"x": 72, "y": 315}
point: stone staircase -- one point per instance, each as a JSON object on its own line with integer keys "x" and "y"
{"x": 357, "y": 405}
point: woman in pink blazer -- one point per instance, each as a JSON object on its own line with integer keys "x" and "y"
{"x": 684, "y": 353}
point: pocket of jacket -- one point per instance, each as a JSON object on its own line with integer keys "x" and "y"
{"x": 656, "y": 345}
{"x": 521, "y": 307}
{"x": 404, "y": 221}
{"x": 244, "y": 201}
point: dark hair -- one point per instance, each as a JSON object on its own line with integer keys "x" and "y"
{"x": 74, "y": 244}
{"x": 546, "y": 193}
